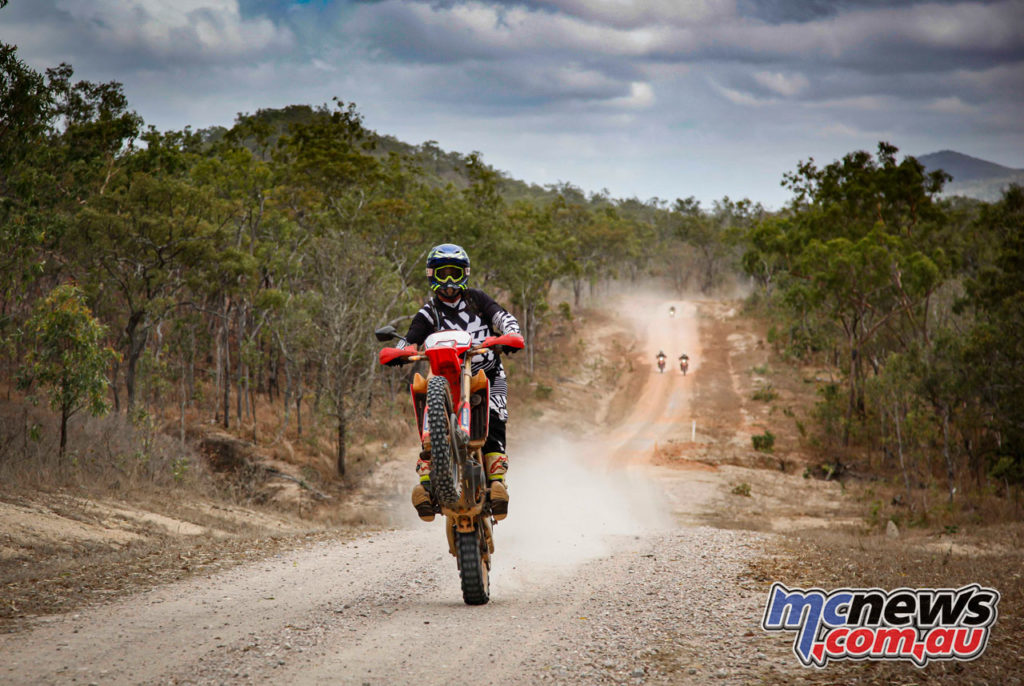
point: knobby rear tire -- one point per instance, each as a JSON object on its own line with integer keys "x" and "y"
{"x": 473, "y": 570}
{"x": 444, "y": 478}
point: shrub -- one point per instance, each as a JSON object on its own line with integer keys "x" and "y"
{"x": 742, "y": 489}
{"x": 765, "y": 442}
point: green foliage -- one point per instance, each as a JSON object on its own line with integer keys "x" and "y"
{"x": 763, "y": 443}
{"x": 765, "y": 393}
{"x": 66, "y": 356}
{"x": 742, "y": 489}
{"x": 829, "y": 411}
{"x": 915, "y": 304}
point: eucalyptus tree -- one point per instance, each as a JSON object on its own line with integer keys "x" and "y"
{"x": 862, "y": 246}
{"x": 61, "y": 142}
{"x": 67, "y": 356}
{"x": 993, "y": 350}
{"x": 138, "y": 244}
{"x": 357, "y": 212}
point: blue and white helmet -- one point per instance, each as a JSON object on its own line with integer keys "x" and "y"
{"x": 448, "y": 269}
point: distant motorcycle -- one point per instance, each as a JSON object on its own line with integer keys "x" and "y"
{"x": 672, "y": 311}
{"x": 684, "y": 364}
{"x": 661, "y": 363}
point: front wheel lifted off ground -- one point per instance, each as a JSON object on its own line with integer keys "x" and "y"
{"x": 444, "y": 476}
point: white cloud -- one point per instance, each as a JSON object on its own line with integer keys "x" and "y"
{"x": 641, "y": 96}
{"x": 842, "y": 130}
{"x": 951, "y": 105}
{"x": 184, "y": 29}
{"x": 637, "y": 13}
{"x": 738, "y": 97}
{"x": 783, "y": 84}
{"x": 322, "y": 66}
{"x": 864, "y": 103}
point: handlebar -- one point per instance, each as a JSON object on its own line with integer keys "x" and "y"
{"x": 396, "y": 356}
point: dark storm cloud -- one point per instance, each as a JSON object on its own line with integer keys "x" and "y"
{"x": 786, "y": 11}
{"x": 903, "y": 37}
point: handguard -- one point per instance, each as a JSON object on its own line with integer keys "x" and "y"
{"x": 508, "y": 343}
{"x": 396, "y": 356}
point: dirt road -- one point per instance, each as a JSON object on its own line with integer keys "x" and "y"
{"x": 604, "y": 573}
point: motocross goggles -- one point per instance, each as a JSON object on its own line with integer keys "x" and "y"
{"x": 449, "y": 273}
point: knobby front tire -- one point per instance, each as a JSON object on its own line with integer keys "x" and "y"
{"x": 444, "y": 479}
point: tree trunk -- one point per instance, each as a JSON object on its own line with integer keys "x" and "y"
{"x": 341, "y": 440}
{"x": 190, "y": 382}
{"x": 899, "y": 448}
{"x": 220, "y": 368}
{"x": 114, "y": 384}
{"x": 239, "y": 377}
{"x": 63, "y": 433}
{"x": 226, "y": 359}
{"x": 184, "y": 403}
{"x": 945, "y": 452}
{"x": 136, "y": 344}
{"x": 853, "y": 393}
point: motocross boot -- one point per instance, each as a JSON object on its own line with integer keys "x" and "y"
{"x": 497, "y": 465}
{"x": 421, "y": 499}
{"x": 422, "y": 502}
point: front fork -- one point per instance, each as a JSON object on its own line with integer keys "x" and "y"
{"x": 482, "y": 525}
{"x": 473, "y": 510}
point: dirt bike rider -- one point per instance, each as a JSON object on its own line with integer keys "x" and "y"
{"x": 455, "y": 306}
{"x": 661, "y": 359}
{"x": 672, "y": 311}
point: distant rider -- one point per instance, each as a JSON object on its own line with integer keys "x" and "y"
{"x": 455, "y": 306}
{"x": 661, "y": 360}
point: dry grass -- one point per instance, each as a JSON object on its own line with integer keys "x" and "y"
{"x": 106, "y": 456}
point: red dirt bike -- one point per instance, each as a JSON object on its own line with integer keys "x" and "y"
{"x": 452, "y": 411}
{"x": 684, "y": 364}
{"x": 661, "y": 364}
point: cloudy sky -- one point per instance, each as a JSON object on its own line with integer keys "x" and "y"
{"x": 644, "y": 98}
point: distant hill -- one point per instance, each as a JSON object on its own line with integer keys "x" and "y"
{"x": 439, "y": 167}
{"x": 972, "y": 177}
{"x": 964, "y": 167}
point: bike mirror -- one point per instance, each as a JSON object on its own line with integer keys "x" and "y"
{"x": 385, "y": 333}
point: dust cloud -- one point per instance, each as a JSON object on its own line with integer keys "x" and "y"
{"x": 568, "y": 502}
